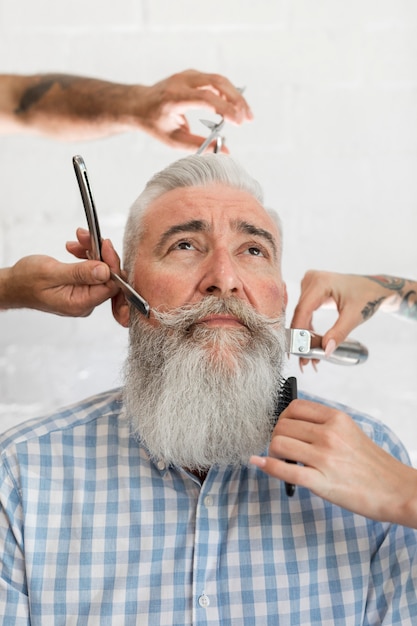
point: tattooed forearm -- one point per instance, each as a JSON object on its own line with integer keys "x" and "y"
{"x": 389, "y": 282}
{"x": 32, "y": 95}
{"x": 408, "y": 305}
{"x": 370, "y": 308}
{"x": 401, "y": 295}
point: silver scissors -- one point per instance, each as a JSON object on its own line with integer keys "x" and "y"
{"x": 215, "y": 134}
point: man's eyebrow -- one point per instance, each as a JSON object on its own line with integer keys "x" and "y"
{"x": 202, "y": 226}
{"x": 194, "y": 226}
{"x": 251, "y": 229}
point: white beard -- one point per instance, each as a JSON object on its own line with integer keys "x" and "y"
{"x": 199, "y": 396}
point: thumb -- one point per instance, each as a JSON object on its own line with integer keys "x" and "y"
{"x": 183, "y": 138}
{"x": 89, "y": 273}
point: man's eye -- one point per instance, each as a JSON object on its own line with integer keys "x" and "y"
{"x": 254, "y": 251}
{"x": 183, "y": 245}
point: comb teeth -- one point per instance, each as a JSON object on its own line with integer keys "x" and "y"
{"x": 287, "y": 393}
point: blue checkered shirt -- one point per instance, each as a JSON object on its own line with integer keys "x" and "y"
{"x": 93, "y": 532}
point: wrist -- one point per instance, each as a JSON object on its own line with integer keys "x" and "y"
{"x": 403, "y": 509}
{"x": 139, "y": 106}
{"x": 7, "y": 296}
{"x": 408, "y": 509}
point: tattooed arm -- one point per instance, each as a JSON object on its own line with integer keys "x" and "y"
{"x": 357, "y": 298}
{"x": 75, "y": 107}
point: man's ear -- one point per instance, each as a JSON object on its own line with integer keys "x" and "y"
{"x": 121, "y": 309}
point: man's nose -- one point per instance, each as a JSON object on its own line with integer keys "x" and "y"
{"x": 220, "y": 276}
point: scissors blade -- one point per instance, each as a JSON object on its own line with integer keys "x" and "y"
{"x": 215, "y": 130}
{"x": 209, "y": 124}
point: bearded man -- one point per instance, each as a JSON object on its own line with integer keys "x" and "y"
{"x": 140, "y": 506}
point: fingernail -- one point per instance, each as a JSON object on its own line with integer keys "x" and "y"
{"x": 330, "y": 348}
{"x": 100, "y": 273}
{"x": 259, "y": 461}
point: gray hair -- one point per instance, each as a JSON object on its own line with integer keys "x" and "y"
{"x": 191, "y": 171}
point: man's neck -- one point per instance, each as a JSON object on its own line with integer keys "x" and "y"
{"x": 200, "y": 475}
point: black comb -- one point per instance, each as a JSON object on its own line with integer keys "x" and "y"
{"x": 287, "y": 393}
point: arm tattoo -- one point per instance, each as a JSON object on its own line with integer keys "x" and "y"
{"x": 370, "y": 308}
{"x": 389, "y": 282}
{"x": 407, "y": 305}
{"x": 32, "y": 95}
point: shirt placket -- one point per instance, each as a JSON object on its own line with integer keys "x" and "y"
{"x": 206, "y": 608}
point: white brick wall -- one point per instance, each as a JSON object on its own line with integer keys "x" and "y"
{"x": 333, "y": 86}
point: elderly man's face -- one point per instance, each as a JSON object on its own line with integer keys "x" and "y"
{"x": 209, "y": 241}
{"x": 202, "y": 374}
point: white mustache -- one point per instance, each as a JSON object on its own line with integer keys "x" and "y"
{"x": 183, "y": 318}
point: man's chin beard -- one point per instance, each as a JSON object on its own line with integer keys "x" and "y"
{"x": 199, "y": 396}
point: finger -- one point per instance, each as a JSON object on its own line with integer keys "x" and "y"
{"x": 87, "y": 273}
{"x": 288, "y": 472}
{"x": 206, "y": 98}
{"x": 290, "y": 449}
{"x": 293, "y": 430}
{"x": 343, "y": 326}
{"x": 221, "y": 86}
{"x": 313, "y": 362}
{"x": 84, "y": 237}
{"x": 303, "y": 312}
{"x": 183, "y": 139}
{"x": 308, "y": 411}
{"x": 234, "y": 109}
{"x": 315, "y": 292}
{"x": 231, "y": 112}
{"x": 76, "y": 249}
{"x": 231, "y": 93}
{"x": 80, "y": 247}
{"x": 110, "y": 256}
{"x": 224, "y": 149}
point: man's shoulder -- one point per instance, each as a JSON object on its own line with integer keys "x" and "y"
{"x": 99, "y": 406}
{"x": 379, "y": 432}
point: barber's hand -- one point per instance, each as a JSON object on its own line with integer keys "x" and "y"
{"x": 356, "y": 297}
{"x": 43, "y": 283}
{"x": 82, "y": 248}
{"x": 340, "y": 463}
{"x": 164, "y": 107}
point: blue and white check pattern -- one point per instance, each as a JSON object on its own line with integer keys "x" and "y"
{"x": 93, "y": 532}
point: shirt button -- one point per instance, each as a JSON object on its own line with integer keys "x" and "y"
{"x": 161, "y": 465}
{"x": 208, "y": 501}
{"x": 203, "y": 601}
